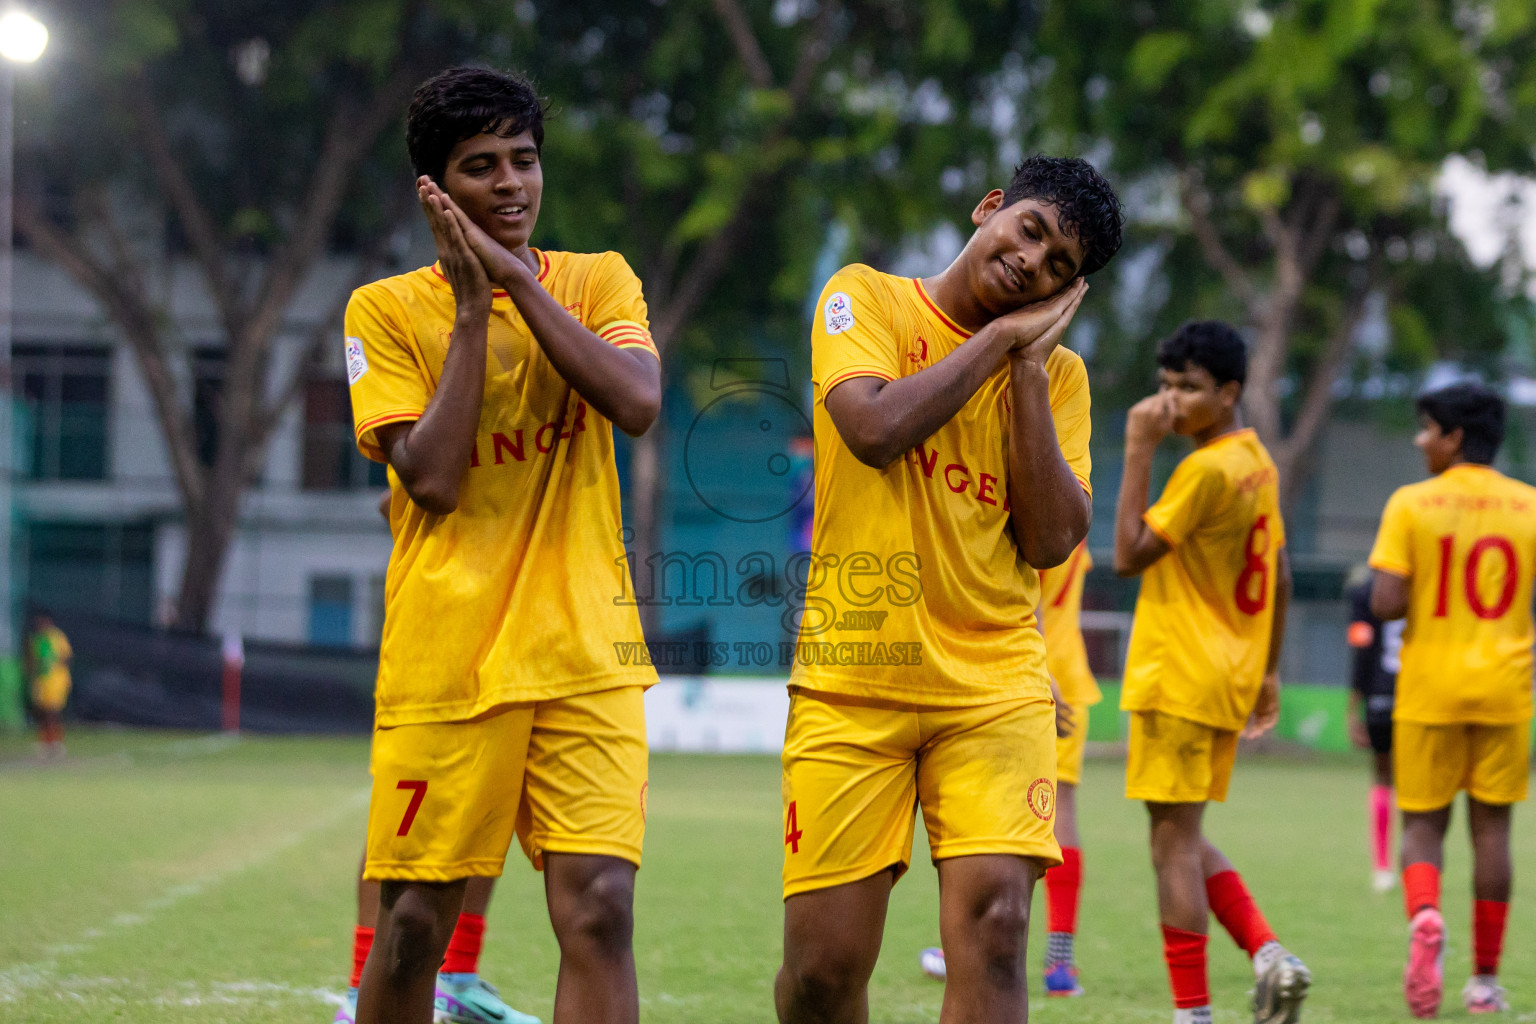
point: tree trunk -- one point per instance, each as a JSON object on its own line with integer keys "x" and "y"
{"x": 209, "y": 532}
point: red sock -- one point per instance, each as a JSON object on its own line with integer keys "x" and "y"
{"x": 1381, "y": 822}
{"x": 362, "y": 942}
{"x": 464, "y": 947}
{"x": 1062, "y": 885}
{"x": 1421, "y": 887}
{"x": 1488, "y": 934}
{"x": 1185, "y": 954}
{"x": 1237, "y": 912}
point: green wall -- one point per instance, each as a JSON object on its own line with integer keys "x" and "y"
{"x": 1312, "y": 716}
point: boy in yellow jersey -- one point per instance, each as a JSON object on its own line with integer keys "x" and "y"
{"x": 47, "y": 662}
{"x": 1066, "y": 656}
{"x": 1205, "y": 644}
{"x": 951, "y": 442}
{"x": 1455, "y": 554}
{"x": 488, "y": 382}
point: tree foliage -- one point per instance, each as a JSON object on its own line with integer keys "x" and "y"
{"x": 1296, "y": 147}
{"x": 240, "y": 140}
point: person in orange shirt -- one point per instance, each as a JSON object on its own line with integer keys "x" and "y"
{"x": 1455, "y": 555}
{"x": 951, "y": 437}
{"x": 1205, "y": 644}
{"x": 489, "y": 382}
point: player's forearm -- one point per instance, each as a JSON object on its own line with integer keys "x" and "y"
{"x": 1389, "y": 595}
{"x": 905, "y": 412}
{"x": 612, "y": 380}
{"x": 1282, "y": 607}
{"x": 430, "y": 457}
{"x": 1130, "y": 527}
{"x": 1048, "y": 508}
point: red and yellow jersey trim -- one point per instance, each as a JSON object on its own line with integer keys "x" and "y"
{"x": 393, "y": 416}
{"x": 1162, "y": 536}
{"x": 934, "y": 308}
{"x": 628, "y": 334}
{"x": 856, "y": 371}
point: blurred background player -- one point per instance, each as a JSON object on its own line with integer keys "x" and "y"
{"x": 490, "y": 383}
{"x": 951, "y": 434}
{"x": 1205, "y": 648}
{"x": 47, "y": 654}
{"x": 1373, "y": 680}
{"x": 461, "y": 996}
{"x": 1074, "y": 689}
{"x": 1455, "y": 555}
{"x": 1066, "y": 656}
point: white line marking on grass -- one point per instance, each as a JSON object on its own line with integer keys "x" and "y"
{"x": 187, "y": 993}
{"x": 16, "y": 979}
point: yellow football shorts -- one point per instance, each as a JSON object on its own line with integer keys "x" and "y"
{"x": 1069, "y": 749}
{"x": 855, "y": 774}
{"x": 1431, "y": 763}
{"x": 567, "y": 776}
{"x": 1173, "y": 760}
{"x": 50, "y": 691}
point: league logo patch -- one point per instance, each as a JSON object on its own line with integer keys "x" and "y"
{"x": 1042, "y": 799}
{"x": 357, "y": 363}
{"x": 838, "y": 313}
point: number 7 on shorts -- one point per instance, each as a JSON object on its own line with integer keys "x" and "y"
{"x": 418, "y": 788}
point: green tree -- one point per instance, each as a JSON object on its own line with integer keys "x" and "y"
{"x": 1299, "y": 144}
{"x": 243, "y": 138}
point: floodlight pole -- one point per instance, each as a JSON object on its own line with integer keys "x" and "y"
{"x": 7, "y": 394}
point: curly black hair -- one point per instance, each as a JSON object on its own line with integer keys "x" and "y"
{"x": 1212, "y": 345}
{"x": 1086, "y": 205}
{"x": 1475, "y": 409}
{"x": 462, "y": 102}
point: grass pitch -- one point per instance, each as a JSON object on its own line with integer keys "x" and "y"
{"x": 166, "y": 878}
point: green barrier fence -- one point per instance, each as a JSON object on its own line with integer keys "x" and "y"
{"x": 12, "y": 712}
{"x": 1313, "y": 716}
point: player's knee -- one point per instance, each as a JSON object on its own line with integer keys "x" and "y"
{"x": 1002, "y": 926}
{"x": 817, "y": 985}
{"x": 1171, "y": 845}
{"x": 603, "y": 916}
{"x": 412, "y": 942}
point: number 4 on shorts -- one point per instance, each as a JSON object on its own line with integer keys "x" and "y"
{"x": 418, "y": 788}
{"x": 792, "y": 831}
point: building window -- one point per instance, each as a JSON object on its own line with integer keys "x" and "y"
{"x": 102, "y": 569}
{"x": 63, "y": 389}
{"x": 330, "y": 611}
{"x": 331, "y": 459}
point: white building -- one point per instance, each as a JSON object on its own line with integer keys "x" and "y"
{"x": 99, "y": 526}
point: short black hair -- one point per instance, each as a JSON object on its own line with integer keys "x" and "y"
{"x": 462, "y": 102}
{"x": 1475, "y": 409}
{"x": 1086, "y": 205}
{"x": 1212, "y": 345}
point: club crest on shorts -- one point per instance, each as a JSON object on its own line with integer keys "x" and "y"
{"x": 838, "y": 313}
{"x": 1042, "y": 799}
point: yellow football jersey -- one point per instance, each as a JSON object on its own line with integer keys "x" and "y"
{"x": 916, "y": 592}
{"x": 517, "y": 595}
{"x": 1061, "y": 608}
{"x": 1466, "y": 540}
{"x": 1200, "y": 639}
